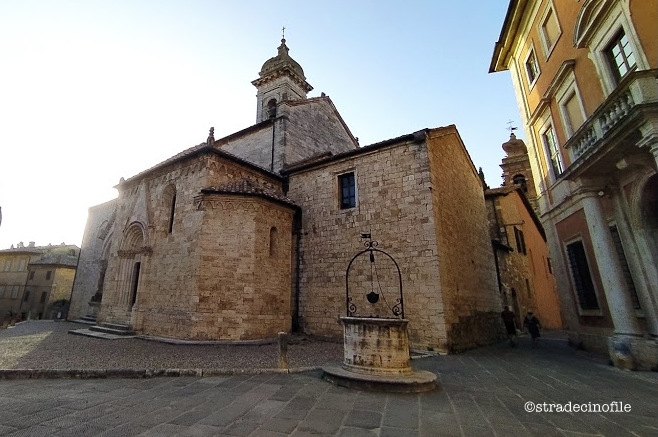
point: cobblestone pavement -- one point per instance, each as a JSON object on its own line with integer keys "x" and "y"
{"x": 482, "y": 392}
{"x": 47, "y": 345}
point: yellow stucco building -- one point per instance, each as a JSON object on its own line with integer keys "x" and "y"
{"x": 585, "y": 78}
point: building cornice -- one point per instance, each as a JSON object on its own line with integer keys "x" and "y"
{"x": 503, "y": 47}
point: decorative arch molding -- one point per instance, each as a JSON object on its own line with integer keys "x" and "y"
{"x": 134, "y": 240}
{"x": 637, "y": 198}
{"x": 232, "y": 205}
{"x": 105, "y": 252}
{"x": 106, "y": 226}
{"x": 591, "y": 15}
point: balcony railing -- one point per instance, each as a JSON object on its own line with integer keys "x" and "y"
{"x": 639, "y": 87}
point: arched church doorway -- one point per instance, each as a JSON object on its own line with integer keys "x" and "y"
{"x": 130, "y": 255}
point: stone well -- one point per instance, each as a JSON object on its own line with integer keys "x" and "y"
{"x": 376, "y": 346}
{"x": 376, "y": 349}
{"x": 376, "y": 357}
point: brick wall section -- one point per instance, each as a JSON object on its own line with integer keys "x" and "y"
{"x": 394, "y": 203}
{"x": 469, "y": 289}
{"x": 96, "y": 235}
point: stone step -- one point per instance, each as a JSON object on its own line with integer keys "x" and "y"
{"x": 113, "y": 328}
{"x": 86, "y": 320}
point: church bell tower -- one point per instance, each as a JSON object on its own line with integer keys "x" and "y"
{"x": 281, "y": 78}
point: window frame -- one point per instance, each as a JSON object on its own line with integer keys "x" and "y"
{"x": 543, "y": 35}
{"x": 520, "y": 241}
{"x": 549, "y": 153}
{"x": 617, "y": 18}
{"x": 339, "y": 178}
{"x": 567, "y": 89}
{"x": 531, "y": 80}
{"x": 582, "y": 311}
{"x": 609, "y": 54}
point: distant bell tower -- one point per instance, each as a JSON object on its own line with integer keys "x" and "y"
{"x": 281, "y": 79}
{"x": 516, "y": 168}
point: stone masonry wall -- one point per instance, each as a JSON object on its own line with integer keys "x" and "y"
{"x": 168, "y": 272}
{"x": 313, "y": 127}
{"x": 471, "y": 301}
{"x": 245, "y": 269}
{"x": 172, "y": 298}
{"x": 255, "y": 147}
{"x": 393, "y": 203}
{"x": 96, "y": 235}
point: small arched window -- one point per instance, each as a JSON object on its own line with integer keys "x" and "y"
{"x": 271, "y": 108}
{"x": 273, "y": 241}
{"x": 520, "y": 180}
{"x": 169, "y": 201}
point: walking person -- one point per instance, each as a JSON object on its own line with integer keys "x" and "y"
{"x": 531, "y": 322}
{"x": 509, "y": 319}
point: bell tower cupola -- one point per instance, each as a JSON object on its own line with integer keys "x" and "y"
{"x": 281, "y": 78}
{"x": 516, "y": 168}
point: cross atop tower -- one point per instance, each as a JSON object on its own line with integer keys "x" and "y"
{"x": 511, "y": 128}
{"x": 283, "y": 32}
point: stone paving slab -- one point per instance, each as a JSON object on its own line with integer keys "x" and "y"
{"x": 482, "y": 392}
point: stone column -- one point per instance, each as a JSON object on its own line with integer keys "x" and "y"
{"x": 634, "y": 259}
{"x": 614, "y": 285}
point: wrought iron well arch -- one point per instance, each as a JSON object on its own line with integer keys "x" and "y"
{"x": 371, "y": 247}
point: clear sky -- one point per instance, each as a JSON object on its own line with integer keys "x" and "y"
{"x": 92, "y": 91}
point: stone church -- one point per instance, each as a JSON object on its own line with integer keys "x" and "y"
{"x": 245, "y": 236}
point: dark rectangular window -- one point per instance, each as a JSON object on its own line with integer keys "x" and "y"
{"x": 582, "y": 279}
{"x": 26, "y": 297}
{"x": 520, "y": 241}
{"x": 32, "y": 275}
{"x": 347, "y": 190}
{"x": 48, "y": 273}
{"x": 44, "y": 295}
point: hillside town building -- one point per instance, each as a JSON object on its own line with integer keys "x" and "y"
{"x": 36, "y": 281}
